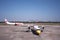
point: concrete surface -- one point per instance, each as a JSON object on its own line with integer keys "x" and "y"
{"x": 9, "y": 32}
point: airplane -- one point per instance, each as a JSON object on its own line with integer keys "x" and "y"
{"x": 17, "y": 24}
{"x": 11, "y": 23}
{"x": 35, "y": 30}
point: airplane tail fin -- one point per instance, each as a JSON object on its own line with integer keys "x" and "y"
{"x": 6, "y": 21}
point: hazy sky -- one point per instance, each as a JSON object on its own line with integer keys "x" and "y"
{"x": 30, "y": 10}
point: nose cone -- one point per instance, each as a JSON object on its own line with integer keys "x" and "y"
{"x": 38, "y": 32}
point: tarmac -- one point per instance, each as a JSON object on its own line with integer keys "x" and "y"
{"x": 10, "y": 32}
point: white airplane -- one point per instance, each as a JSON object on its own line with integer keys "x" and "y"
{"x": 11, "y": 23}
{"x": 20, "y": 24}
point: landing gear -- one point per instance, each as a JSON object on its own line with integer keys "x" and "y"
{"x": 15, "y": 24}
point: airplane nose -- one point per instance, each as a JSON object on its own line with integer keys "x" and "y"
{"x": 38, "y": 32}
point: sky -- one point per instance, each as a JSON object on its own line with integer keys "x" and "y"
{"x": 30, "y": 10}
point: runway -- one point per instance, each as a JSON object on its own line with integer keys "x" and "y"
{"x": 9, "y": 32}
